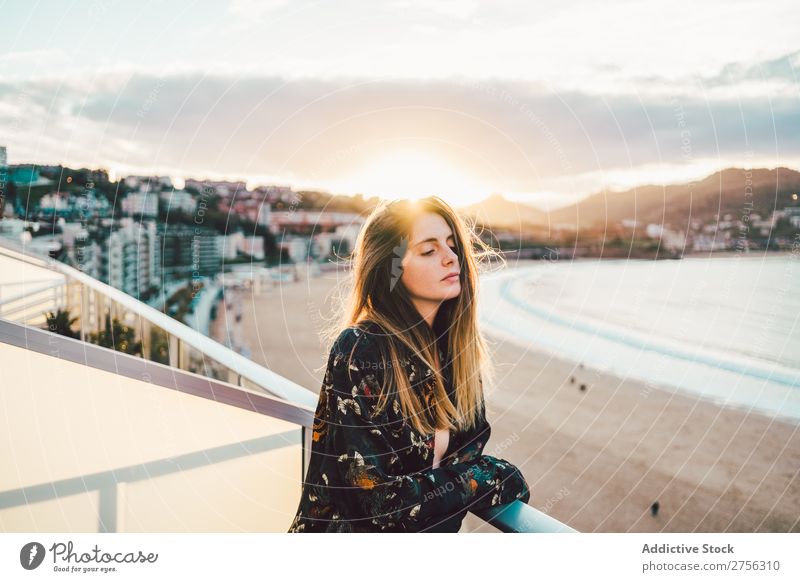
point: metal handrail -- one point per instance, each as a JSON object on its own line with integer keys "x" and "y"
{"x": 519, "y": 517}
{"x": 161, "y": 375}
{"x": 26, "y": 294}
{"x": 248, "y": 369}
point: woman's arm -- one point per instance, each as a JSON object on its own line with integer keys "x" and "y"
{"x": 474, "y": 440}
{"x": 511, "y": 485}
{"x": 360, "y": 461}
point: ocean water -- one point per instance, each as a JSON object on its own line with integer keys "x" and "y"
{"x": 726, "y": 329}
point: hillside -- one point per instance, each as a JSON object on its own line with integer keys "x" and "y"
{"x": 721, "y": 193}
{"x": 498, "y": 211}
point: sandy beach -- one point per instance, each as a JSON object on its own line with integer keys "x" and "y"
{"x": 596, "y": 459}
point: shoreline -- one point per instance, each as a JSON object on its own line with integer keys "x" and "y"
{"x": 688, "y": 255}
{"x": 764, "y": 383}
{"x": 790, "y": 421}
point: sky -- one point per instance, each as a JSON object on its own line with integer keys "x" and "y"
{"x": 542, "y": 102}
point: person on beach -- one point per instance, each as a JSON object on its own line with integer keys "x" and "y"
{"x": 400, "y": 427}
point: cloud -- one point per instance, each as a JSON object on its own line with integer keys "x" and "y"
{"x": 517, "y": 136}
{"x": 785, "y": 68}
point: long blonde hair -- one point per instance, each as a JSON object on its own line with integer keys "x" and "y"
{"x": 378, "y": 295}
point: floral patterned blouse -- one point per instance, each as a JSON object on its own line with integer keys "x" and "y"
{"x": 374, "y": 472}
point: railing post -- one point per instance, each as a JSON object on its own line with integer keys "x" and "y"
{"x": 302, "y": 455}
{"x": 99, "y": 308}
{"x": 68, "y": 288}
{"x": 84, "y": 313}
{"x": 146, "y": 338}
{"x": 174, "y": 351}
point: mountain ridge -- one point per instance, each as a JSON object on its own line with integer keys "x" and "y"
{"x": 722, "y": 192}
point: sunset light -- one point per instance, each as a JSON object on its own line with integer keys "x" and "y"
{"x": 410, "y": 174}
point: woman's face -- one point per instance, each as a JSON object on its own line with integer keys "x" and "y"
{"x": 428, "y": 261}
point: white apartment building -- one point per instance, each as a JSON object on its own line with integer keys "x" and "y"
{"x": 179, "y": 200}
{"x": 140, "y": 204}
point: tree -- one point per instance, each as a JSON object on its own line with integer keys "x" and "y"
{"x": 117, "y": 336}
{"x": 270, "y": 248}
{"x": 159, "y": 342}
{"x": 60, "y": 322}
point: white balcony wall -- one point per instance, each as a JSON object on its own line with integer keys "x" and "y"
{"x": 88, "y": 450}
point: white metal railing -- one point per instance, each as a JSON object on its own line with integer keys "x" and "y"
{"x": 16, "y": 302}
{"x": 122, "y": 488}
{"x": 90, "y": 300}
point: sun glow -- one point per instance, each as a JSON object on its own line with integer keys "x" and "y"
{"x": 415, "y": 175}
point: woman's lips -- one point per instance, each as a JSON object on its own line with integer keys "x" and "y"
{"x": 451, "y": 278}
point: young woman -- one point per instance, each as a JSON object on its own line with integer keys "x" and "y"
{"x": 400, "y": 427}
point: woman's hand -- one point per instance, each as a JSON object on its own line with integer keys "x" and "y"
{"x": 513, "y": 484}
{"x": 505, "y": 484}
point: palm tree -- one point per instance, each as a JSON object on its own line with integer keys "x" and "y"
{"x": 117, "y": 336}
{"x": 60, "y": 322}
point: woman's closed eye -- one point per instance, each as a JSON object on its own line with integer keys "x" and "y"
{"x": 430, "y": 252}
